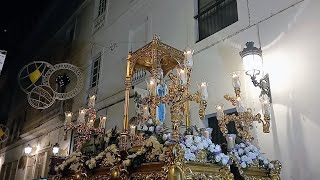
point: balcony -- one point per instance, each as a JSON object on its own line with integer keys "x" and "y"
{"x": 98, "y": 23}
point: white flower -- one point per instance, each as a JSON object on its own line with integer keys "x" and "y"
{"x": 145, "y": 128}
{"x": 212, "y": 148}
{"x": 164, "y": 137}
{"x": 240, "y": 151}
{"x": 249, "y": 161}
{"x": 126, "y": 162}
{"x": 150, "y": 121}
{"x": 243, "y": 165}
{"x": 242, "y": 145}
{"x": 266, "y": 161}
{"x": 162, "y": 157}
{"x": 190, "y": 156}
{"x": 217, "y": 158}
{"x": 197, "y": 139}
{"x": 158, "y": 128}
{"x": 200, "y": 146}
{"x": 224, "y": 161}
{"x": 151, "y": 128}
{"x": 244, "y": 158}
{"x": 193, "y": 148}
{"x": 188, "y": 144}
{"x": 271, "y": 166}
{"x": 218, "y": 148}
{"x": 247, "y": 149}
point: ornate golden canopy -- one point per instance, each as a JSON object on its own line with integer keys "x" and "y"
{"x": 155, "y": 54}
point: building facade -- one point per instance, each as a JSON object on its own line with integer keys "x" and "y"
{"x": 100, "y": 33}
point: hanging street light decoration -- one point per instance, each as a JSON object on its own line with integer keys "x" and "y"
{"x": 253, "y": 62}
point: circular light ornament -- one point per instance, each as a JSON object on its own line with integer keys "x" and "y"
{"x": 76, "y": 80}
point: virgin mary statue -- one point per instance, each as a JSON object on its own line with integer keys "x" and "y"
{"x": 161, "y": 91}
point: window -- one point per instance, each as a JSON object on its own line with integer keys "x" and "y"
{"x": 215, "y": 15}
{"x": 102, "y": 7}
{"x": 95, "y": 71}
{"x": 217, "y": 136}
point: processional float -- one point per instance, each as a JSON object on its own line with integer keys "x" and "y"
{"x": 147, "y": 150}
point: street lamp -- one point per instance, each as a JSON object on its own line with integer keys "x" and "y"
{"x": 55, "y": 149}
{"x": 252, "y": 60}
{"x": 27, "y": 149}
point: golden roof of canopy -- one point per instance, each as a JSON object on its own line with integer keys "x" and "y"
{"x": 153, "y": 54}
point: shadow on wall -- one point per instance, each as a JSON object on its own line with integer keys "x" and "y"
{"x": 291, "y": 59}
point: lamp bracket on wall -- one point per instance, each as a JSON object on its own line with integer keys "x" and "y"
{"x": 263, "y": 84}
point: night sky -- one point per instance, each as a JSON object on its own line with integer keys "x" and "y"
{"x": 18, "y": 21}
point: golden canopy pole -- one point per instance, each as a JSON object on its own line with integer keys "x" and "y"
{"x": 127, "y": 96}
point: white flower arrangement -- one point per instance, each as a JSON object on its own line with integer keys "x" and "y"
{"x": 249, "y": 155}
{"x": 193, "y": 144}
{"x": 150, "y": 143}
{"x": 73, "y": 159}
{"x": 109, "y": 155}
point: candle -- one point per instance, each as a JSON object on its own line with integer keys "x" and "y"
{"x": 182, "y": 76}
{"x": 236, "y": 80}
{"x": 220, "y": 113}
{"x": 102, "y": 123}
{"x": 91, "y": 123}
{"x": 68, "y": 117}
{"x": 239, "y": 105}
{"x": 82, "y": 113}
{"x": 231, "y": 140}
{"x": 145, "y": 111}
{"x": 204, "y": 91}
{"x": 132, "y": 130}
{"x": 92, "y": 101}
{"x": 206, "y": 134}
{"x": 152, "y": 86}
{"x": 188, "y": 56}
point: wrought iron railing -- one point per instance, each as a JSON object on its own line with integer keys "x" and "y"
{"x": 216, "y": 17}
{"x": 139, "y": 76}
{"x": 99, "y": 22}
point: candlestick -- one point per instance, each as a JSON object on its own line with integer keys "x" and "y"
{"x": 102, "y": 123}
{"x": 132, "y": 130}
{"x": 236, "y": 80}
{"x": 220, "y": 113}
{"x": 81, "y": 117}
{"x": 92, "y": 101}
{"x": 182, "y": 76}
{"x": 204, "y": 90}
{"x": 68, "y": 117}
